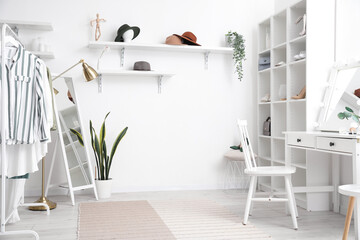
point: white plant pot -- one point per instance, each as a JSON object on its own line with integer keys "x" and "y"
{"x": 103, "y": 188}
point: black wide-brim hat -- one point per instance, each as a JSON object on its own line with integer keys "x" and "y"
{"x": 123, "y": 29}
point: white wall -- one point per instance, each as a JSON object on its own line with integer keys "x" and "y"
{"x": 175, "y": 140}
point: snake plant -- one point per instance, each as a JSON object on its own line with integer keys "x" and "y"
{"x": 98, "y": 144}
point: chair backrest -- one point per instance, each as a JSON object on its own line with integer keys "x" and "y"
{"x": 246, "y": 145}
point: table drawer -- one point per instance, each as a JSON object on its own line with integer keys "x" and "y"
{"x": 303, "y": 140}
{"x": 335, "y": 144}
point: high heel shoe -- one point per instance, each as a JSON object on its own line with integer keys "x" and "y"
{"x": 301, "y": 95}
{"x": 303, "y": 32}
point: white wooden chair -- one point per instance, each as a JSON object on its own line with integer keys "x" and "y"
{"x": 254, "y": 171}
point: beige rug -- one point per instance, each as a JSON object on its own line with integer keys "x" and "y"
{"x": 173, "y": 219}
{"x": 134, "y": 220}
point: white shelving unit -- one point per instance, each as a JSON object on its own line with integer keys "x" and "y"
{"x": 290, "y": 114}
{"x": 122, "y": 46}
{"x": 16, "y": 25}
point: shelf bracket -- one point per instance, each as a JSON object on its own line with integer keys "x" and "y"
{"x": 122, "y": 56}
{"x": 206, "y": 59}
{"x": 99, "y": 78}
{"x": 160, "y": 83}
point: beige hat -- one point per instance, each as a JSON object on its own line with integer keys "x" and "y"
{"x": 173, "y": 40}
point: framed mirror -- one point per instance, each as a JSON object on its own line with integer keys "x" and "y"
{"x": 75, "y": 157}
{"x": 343, "y": 81}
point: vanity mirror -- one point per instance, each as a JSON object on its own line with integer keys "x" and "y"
{"x": 339, "y": 93}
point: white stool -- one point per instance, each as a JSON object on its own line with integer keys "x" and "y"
{"x": 234, "y": 176}
{"x": 352, "y": 190}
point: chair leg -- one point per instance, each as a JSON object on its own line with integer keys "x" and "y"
{"x": 253, "y": 195}
{"x": 291, "y": 201}
{"x": 292, "y": 193}
{"x": 249, "y": 199}
{"x": 348, "y": 217}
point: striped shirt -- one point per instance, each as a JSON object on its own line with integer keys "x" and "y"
{"x": 26, "y": 113}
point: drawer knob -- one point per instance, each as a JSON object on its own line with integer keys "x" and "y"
{"x": 298, "y": 140}
{"x": 332, "y": 144}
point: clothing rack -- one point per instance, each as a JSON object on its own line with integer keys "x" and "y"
{"x": 4, "y": 30}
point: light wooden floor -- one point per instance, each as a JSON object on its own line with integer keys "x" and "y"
{"x": 270, "y": 217}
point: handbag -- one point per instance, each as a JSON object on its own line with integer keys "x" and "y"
{"x": 264, "y": 63}
{"x": 267, "y": 127}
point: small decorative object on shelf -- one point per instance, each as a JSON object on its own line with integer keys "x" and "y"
{"x": 97, "y": 30}
{"x": 142, "y": 66}
{"x": 303, "y": 32}
{"x": 267, "y": 38}
{"x": 301, "y": 95}
{"x": 300, "y": 56}
{"x": 125, "y": 35}
{"x": 265, "y": 98}
{"x": 237, "y": 41}
{"x": 267, "y": 127}
{"x": 264, "y": 63}
{"x": 188, "y": 38}
{"x": 349, "y": 114}
{"x": 103, "y": 160}
{"x": 281, "y": 63}
{"x": 282, "y": 92}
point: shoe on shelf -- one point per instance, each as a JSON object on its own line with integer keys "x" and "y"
{"x": 301, "y": 95}
{"x": 279, "y": 64}
{"x": 265, "y": 98}
{"x": 300, "y": 56}
{"x": 303, "y": 32}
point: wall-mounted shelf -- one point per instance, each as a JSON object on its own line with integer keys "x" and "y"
{"x": 160, "y": 47}
{"x": 44, "y": 55}
{"x": 15, "y": 24}
{"x": 115, "y": 72}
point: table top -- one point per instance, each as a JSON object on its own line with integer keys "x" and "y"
{"x": 325, "y": 134}
{"x": 350, "y": 190}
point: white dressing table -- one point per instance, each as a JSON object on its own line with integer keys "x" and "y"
{"x": 342, "y": 144}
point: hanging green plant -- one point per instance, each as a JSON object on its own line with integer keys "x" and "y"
{"x": 237, "y": 41}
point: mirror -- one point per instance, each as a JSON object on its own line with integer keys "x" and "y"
{"x": 343, "y": 81}
{"x": 68, "y": 150}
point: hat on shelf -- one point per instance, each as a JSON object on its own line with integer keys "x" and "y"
{"x": 173, "y": 40}
{"x": 187, "y": 38}
{"x": 142, "y": 66}
{"x": 123, "y": 29}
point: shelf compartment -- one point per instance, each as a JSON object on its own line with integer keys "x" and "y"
{"x": 264, "y": 27}
{"x": 279, "y": 22}
{"x": 296, "y": 11}
{"x": 297, "y": 117}
{"x": 264, "y": 113}
{"x": 41, "y": 26}
{"x": 264, "y": 85}
{"x": 295, "y": 48}
{"x": 278, "y": 117}
{"x": 279, "y": 79}
{"x": 297, "y": 79}
{"x": 279, "y": 56}
{"x": 278, "y": 150}
{"x": 264, "y": 148}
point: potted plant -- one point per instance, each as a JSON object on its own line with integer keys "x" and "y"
{"x": 103, "y": 159}
{"x": 237, "y": 41}
{"x": 349, "y": 113}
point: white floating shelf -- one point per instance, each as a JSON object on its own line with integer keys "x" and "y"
{"x": 299, "y": 62}
{"x": 161, "y": 47}
{"x": 129, "y": 73}
{"x": 44, "y": 55}
{"x": 116, "y": 72}
{"x": 301, "y": 39}
{"x": 43, "y": 26}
